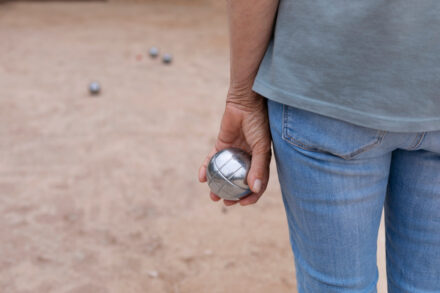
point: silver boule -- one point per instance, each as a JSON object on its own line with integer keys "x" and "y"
{"x": 167, "y": 58}
{"x": 154, "y": 52}
{"x": 94, "y": 88}
{"x": 226, "y": 173}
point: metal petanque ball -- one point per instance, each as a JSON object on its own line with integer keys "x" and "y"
{"x": 226, "y": 173}
{"x": 154, "y": 52}
{"x": 167, "y": 58}
{"x": 94, "y": 88}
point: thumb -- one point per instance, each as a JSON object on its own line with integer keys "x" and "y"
{"x": 258, "y": 175}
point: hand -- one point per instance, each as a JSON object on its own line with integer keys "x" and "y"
{"x": 245, "y": 125}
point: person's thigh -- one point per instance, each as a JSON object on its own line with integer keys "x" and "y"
{"x": 412, "y": 220}
{"x": 333, "y": 177}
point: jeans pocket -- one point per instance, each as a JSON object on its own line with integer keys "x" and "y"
{"x": 319, "y": 133}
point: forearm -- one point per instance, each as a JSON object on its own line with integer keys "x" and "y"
{"x": 250, "y": 28}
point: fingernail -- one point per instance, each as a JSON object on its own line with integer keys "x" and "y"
{"x": 257, "y": 186}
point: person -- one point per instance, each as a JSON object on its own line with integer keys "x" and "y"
{"x": 348, "y": 94}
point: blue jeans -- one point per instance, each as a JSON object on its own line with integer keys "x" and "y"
{"x": 335, "y": 179}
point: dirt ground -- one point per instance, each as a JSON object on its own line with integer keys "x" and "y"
{"x": 100, "y": 194}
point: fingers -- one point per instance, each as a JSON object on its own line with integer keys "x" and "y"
{"x": 229, "y": 202}
{"x": 214, "y": 197}
{"x": 250, "y": 199}
{"x": 202, "y": 169}
{"x": 258, "y": 175}
{"x": 226, "y": 202}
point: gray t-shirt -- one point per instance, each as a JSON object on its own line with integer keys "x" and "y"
{"x": 374, "y": 63}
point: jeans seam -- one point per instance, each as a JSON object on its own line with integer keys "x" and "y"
{"x": 379, "y": 137}
{"x": 419, "y": 141}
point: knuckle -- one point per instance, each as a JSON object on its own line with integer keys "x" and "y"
{"x": 221, "y": 143}
{"x": 262, "y": 146}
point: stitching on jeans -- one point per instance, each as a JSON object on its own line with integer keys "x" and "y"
{"x": 379, "y": 137}
{"x": 284, "y": 120}
{"x": 420, "y": 141}
{"x": 291, "y": 140}
{"x": 414, "y": 142}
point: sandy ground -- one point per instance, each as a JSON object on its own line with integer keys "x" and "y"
{"x": 99, "y": 194}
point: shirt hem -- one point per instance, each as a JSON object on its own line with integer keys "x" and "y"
{"x": 346, "y": 114}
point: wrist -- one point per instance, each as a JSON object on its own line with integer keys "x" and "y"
{"x": 245, "y": 99}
